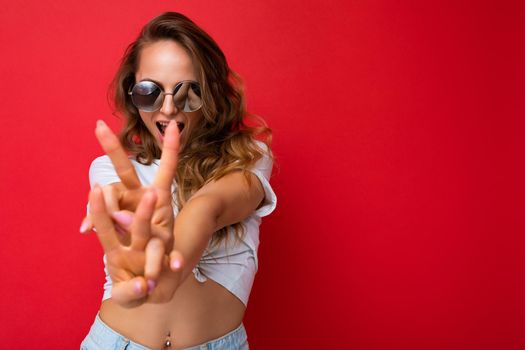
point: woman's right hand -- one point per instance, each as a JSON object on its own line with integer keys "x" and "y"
{"x": 122, "y": 199}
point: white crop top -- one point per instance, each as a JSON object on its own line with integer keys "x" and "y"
{"x": 232, "y": 263}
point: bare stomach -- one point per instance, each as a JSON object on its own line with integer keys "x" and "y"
{"x": 198, "y": 312}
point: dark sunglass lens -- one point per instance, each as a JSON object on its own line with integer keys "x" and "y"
{"x": 145, "y": 96}
{"x": 187, "y": 96}
{"x": 196, "y": 89}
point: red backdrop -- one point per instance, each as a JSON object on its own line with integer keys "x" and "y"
{"x": 398, "y": 128}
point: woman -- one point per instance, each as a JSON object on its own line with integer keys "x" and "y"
{"x": 181, "y": 254}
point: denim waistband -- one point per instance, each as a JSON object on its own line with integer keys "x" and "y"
{"x": 234, "y": 340}
{"x": 103, "y": 337}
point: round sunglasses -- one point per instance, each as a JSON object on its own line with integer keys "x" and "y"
{"x": 148, "y": 96}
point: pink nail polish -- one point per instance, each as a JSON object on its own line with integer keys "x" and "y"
{"x": 122, "y": 218}
{"x": 175, "y": 264}
{"x": 84, "y": 227}
{"x": 137, "y": 288}
{"x": 151, "y": 286}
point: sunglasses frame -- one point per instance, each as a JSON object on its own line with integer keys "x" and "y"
{"x": 130, "y": 93}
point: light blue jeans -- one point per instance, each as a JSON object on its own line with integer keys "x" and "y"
{"x": 102, "y": 337}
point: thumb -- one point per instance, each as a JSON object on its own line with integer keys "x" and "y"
{"x": 176, "y": 260}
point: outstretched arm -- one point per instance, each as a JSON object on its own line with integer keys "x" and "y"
{"x": 145, "y": 273}
{"x": 218, "y": 204}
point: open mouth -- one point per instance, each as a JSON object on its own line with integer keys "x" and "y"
{"x": 162, "y": 125}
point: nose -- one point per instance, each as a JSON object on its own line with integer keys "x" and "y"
{"x": 168, "y": 105}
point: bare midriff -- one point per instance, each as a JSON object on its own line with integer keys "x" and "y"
{"x": 198, "y": 312}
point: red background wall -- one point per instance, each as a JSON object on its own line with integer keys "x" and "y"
{"x": 398, "y": 129}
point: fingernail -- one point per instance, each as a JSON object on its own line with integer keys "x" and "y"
{"x": 175, "y": 264}
{"x": 122, "y": 218}
{"x": 137, "y": 287}
{"x": 100, "y": 123}
{"x": 151, "y": 286}
{"x": 84, "y": 226}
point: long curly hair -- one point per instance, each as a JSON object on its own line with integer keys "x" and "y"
{"x": 223, "y": 142}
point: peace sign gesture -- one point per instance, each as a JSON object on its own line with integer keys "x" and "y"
{"x": 125, "y": 195}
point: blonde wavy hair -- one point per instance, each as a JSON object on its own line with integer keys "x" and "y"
{"x": 223, "y": 142}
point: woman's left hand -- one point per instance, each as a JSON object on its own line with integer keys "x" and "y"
{"x": 129, "y": 264}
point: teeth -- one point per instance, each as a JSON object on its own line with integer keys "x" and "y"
{"x": 162, "y": 125}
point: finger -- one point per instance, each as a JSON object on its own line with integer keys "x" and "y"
{"x": 129, "y": 291}
{"x": 168, "y": 159}
{"x": 86, "y": 225}
{"x": 176, "y": 260}
{"x": 111, "y": 145}
{"x": 154, "y": 258}
{"x": 162, "y": 223}
{"x": 103, "y": 223}
{"x": 141, "y": 226}
{"x": 110, "y": 198}
{"x": 130, "y": 199}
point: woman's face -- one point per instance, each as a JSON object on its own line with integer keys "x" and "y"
{"x": 167, "y": 63}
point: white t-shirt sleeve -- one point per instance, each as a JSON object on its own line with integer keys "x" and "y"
{"x": 102, "y": 172}
{"x": 263, "y": 170}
